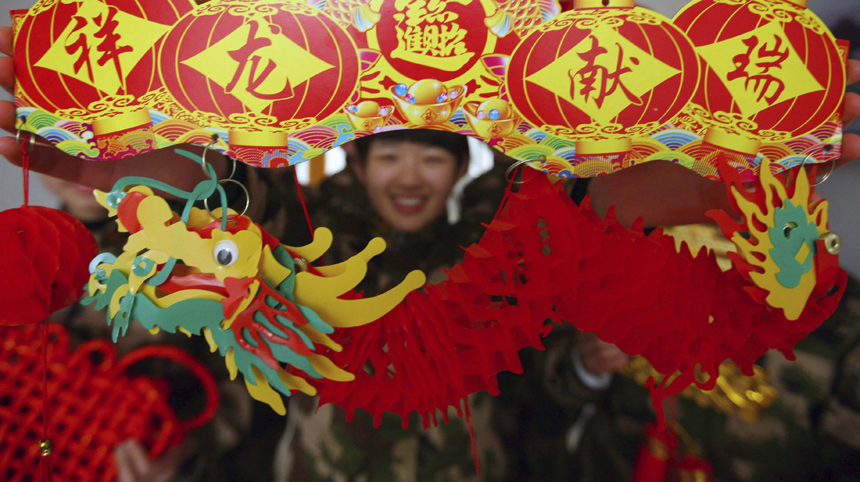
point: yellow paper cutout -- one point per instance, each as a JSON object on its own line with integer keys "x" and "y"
{"x": 193, "y": 250}
{"x": 207, "y": 334}
{"x": 321, "y": 295}
{"x": 756, "y": 250}
{"x": 296, "y": 383}
{"x": 270, "y": 269}
{"x": 329, "y": 370}
{"x": 375, "y": 247}
{"x": 230, "y": 360}
{"x": 318, "y": 337}
{"x": 113, "y": 307}
{"x": 321, "y": 243}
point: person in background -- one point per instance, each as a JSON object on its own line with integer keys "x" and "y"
{"x": 642, "y": 191}
{"x": 396, "y": 186}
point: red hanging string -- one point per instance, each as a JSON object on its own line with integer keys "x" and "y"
{"x": 472, "y": 437}
{"x": 507, "y": 191}
{"x": 190, "y": 363}
{"x": 25, "y": 167}
{"x": 302, "y": 199}
{"x": 466, "y": 399}
{"x": 45, "y": 445}
{"x": 305, "y": 208}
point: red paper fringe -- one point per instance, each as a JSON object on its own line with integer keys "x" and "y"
{"x": 543, "y": 261}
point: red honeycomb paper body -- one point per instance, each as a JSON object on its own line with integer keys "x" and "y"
{"x": 545, "y": 260}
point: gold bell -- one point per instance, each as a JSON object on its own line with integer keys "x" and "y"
{"x": 832, "y": 243}
{"x": 46, "y": 447}
{"x": 301, "y": 264}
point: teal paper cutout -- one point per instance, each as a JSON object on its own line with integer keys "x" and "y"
{"x": 787, "y": 241}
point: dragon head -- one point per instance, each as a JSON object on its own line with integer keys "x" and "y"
{"x": 261, "y": 304}
{"x": 784, "y": 245}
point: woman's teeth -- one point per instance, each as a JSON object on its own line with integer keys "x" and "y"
{"x": 409, "y": 201}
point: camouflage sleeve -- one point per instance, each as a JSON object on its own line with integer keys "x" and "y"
{"x": 839, "y": 420}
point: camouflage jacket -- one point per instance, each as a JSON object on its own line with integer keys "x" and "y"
{"x": 810, "y": 433}
{"x": 321, "y": 445}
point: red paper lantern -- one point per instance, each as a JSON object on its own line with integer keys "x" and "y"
{"x": 47, "y": 257}
{"x": 80, "y": 46}
{"x": 771, "y": 72}
{"x": 280, "y": 65}
{"x": 602, "y": 75}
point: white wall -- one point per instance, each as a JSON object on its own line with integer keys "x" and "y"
{"x": 841, "y": 189}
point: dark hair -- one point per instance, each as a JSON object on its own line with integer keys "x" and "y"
{"x": 456, "y": 144}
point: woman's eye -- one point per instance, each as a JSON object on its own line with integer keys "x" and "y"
{"x": 226, "y": 253}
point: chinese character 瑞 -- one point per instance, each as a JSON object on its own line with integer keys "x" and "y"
{"x": 768, "y": 86}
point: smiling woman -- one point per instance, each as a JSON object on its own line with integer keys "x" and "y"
{"x": 408, "y": 176}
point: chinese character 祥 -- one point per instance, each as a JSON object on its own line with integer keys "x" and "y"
{"x": 109, "y": 45}
{"x": 767, "y": 86}
{"x": 81, "y": 47}
{"x": 595, "y": 81}
{"x": 248, "y": 53}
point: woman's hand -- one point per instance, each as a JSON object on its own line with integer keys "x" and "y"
{"x": 665, "y": 194}
{"x": 133, "y": 463}
{"x": 599, "y": 357}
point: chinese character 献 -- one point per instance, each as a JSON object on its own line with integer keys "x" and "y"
{"x": 596, "y": 80}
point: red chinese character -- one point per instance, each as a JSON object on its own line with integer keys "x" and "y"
{"x": 767, "y": 58}
{"x": 608, "y": 82}
{"x": 81, "y": 47}
{"x": 109, "y": 45}
{"x": 247, "y": 53}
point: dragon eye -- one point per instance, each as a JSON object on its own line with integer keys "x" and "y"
{"x": 226, "y": 253}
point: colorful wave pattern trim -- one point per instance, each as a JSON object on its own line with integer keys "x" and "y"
{"x": 668, "y": 143}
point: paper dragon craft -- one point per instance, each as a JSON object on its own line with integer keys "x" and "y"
{"x": 288, "y": 326}
{"x": 600, "y": 88}
{"x": 254, "y": 300}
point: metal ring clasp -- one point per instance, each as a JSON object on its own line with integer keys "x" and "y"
{"x": 209, "y": 146}
{"x": 30, "y": 144}
{"x": 247, "y": 199}
{"x": 827, "y": 148}
{"x": 541, "y": 160}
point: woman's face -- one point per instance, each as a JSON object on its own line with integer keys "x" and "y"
{"x": 408, "y": 183}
